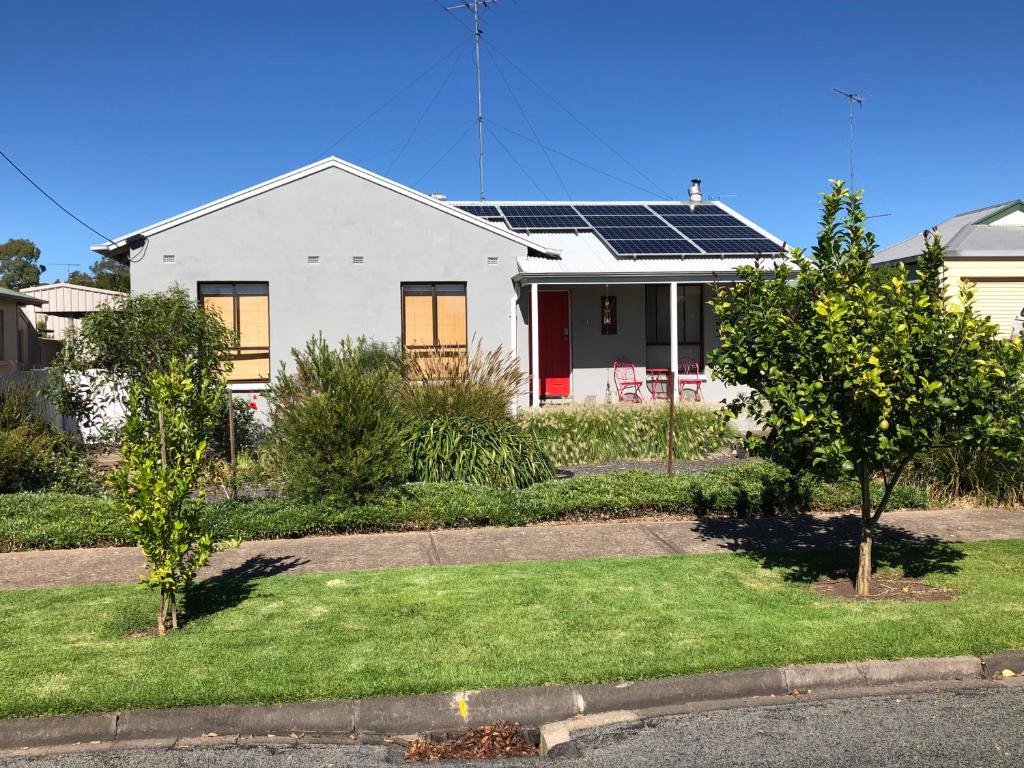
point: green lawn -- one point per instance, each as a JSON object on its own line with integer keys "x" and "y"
{"x": 357, "y": 634}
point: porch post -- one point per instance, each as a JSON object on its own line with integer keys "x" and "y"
{"x": 673, "y": 374}
{"x": 534, "y": 345}
{"x": 674, "y": 339}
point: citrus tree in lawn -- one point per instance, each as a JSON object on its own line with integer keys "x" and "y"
{"x": 163, "y": 444}
{"x": 855, "y": 370}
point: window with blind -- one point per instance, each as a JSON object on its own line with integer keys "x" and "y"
{"x": 245, "y": 310}
{"x": 434, "y": 317}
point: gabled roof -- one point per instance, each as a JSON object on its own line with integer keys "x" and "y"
{"x": 119, "y": 246}
{"x": 19, "y": 298}
{"x": 966, "y": 235}
{"x": 36, "y": 289}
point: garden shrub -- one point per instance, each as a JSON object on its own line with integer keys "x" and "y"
{"x": 337, "y": 422}
{"x": 34, "y": 454}
{"x": 473, "y": 385}
{"x": 249, "y": 430}
{"x": 473, "y": 450}
{"x": 601, "y": 434}
{"x": 966, "y": 471}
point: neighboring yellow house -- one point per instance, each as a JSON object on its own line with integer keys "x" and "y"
{"x": 19, "y": 344}
{"x": 986, "y": 247}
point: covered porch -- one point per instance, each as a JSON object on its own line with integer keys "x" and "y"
{"x": 584, "y": 330}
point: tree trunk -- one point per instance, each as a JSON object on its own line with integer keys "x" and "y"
{"x": 867, "y": 524}
{"x": 161, "y": 616}
{"x": 174, "y": 611}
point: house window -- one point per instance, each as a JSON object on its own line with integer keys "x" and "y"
{"x": 434, "y": 317}
{"x": 245, "y": 310}
{"x": 609, "y": 316}
{"x": 690, "y": 315}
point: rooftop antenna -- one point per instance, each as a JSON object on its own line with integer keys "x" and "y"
{"x": 851, "y": 98}
{"x": 474, "y": 6}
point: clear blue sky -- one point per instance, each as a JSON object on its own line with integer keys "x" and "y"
{"x": 129, "y": 112}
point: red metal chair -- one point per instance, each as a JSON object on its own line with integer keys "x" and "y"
{"x": 627, "y": 383}
{"x": 689, "y": 375}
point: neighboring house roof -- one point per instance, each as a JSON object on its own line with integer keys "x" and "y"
{"x": 119, "y": 247}
{"x": 68, "y": 298}
{"x": 19, "y": 298}
{"x": 972, "y": 234}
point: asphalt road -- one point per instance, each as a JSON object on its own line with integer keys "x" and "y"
{"x": 974, "y": 727}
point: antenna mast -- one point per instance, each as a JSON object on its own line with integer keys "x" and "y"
{"x": 474, "y": 6}
{"x": 851, "y": 98}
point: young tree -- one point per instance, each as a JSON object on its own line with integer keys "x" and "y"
{"x": 126, "y": 341}
{"x": 856, "y": 370}
{"x": 18, "y": 264}
{"x": 163, "y": 446}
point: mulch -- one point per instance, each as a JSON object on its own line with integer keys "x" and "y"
{"x": 498, "y": 739}
{"x": 901, "y": 589}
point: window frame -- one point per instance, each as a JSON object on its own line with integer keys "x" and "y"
{"x": 655, "y": 340}
{"x": 238, "y": 349}
{"x": 436, "y": 346}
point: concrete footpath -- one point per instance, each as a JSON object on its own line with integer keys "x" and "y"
{"x": 565, "y": 541}
{"x": 559, "y": 710}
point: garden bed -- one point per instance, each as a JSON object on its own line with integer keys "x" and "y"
{"x": 58, "y": 521}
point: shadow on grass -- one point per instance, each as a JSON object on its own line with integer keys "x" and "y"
{"x": 233, "y": 586}
{"x": 810, "y": 548}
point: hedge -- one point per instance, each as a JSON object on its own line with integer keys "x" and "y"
{"x": 602, "y": 434}
{"x": 55, "y": 520}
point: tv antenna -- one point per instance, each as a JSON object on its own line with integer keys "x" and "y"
{"x": 851, "y": 98}
{"x": 475, "y": 6}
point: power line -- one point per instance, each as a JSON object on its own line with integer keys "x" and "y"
{"x": 389, "y": 102}
{"x": 526, "y": 173}
{"x": 50, "y": 197}
{"x": 584, "y": 163}
{"x": 582, "y": 124}
{"x": 443, "y": 155}
{"x": 533, "y": 130}
{"x": 423, "y": 114}
{"x": 661, "y": 192}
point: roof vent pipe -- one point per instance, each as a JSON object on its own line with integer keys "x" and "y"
{"x": 439, "y": 196}
{"x": 695, "y": 195}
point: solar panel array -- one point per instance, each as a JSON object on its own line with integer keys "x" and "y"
{"x": 635, "y": 229}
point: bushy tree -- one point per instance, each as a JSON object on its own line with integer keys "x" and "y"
{"x": 19, "y": 267}
{"x": 106, "y": 273}
{"x": 163, "y": 446}
{"x": 129, "y": 339}
{"x": 856, "y": 370}
{"x": 337, "y": 420}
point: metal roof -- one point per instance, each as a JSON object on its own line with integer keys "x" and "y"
{"x": 585, "y": 258}
{"x": 964, "y": 237}
{"x": 19, "y": 297}
{"x": 69, "y": 298}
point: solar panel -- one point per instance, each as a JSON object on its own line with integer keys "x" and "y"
{"x": 656, "y": 232}
{"x": 720, "y": 220}
{"x": 750, "y": 245}
{"x": 704, "y": 232}
{"x": 652, "y": 247}
{"x": 543, "y": 217}
{"x": 484, "y": 211}
{"x": 613, "y": 210}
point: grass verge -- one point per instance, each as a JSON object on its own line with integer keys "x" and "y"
{"x": 57, "y": 521}
{"x": 369, "y": 633}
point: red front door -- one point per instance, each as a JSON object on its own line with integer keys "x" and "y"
{"x": 553, "y": 334}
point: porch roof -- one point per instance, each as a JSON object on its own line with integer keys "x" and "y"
{"x": 584, "y": 258}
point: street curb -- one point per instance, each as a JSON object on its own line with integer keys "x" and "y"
{"x": 548, "y": 704}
